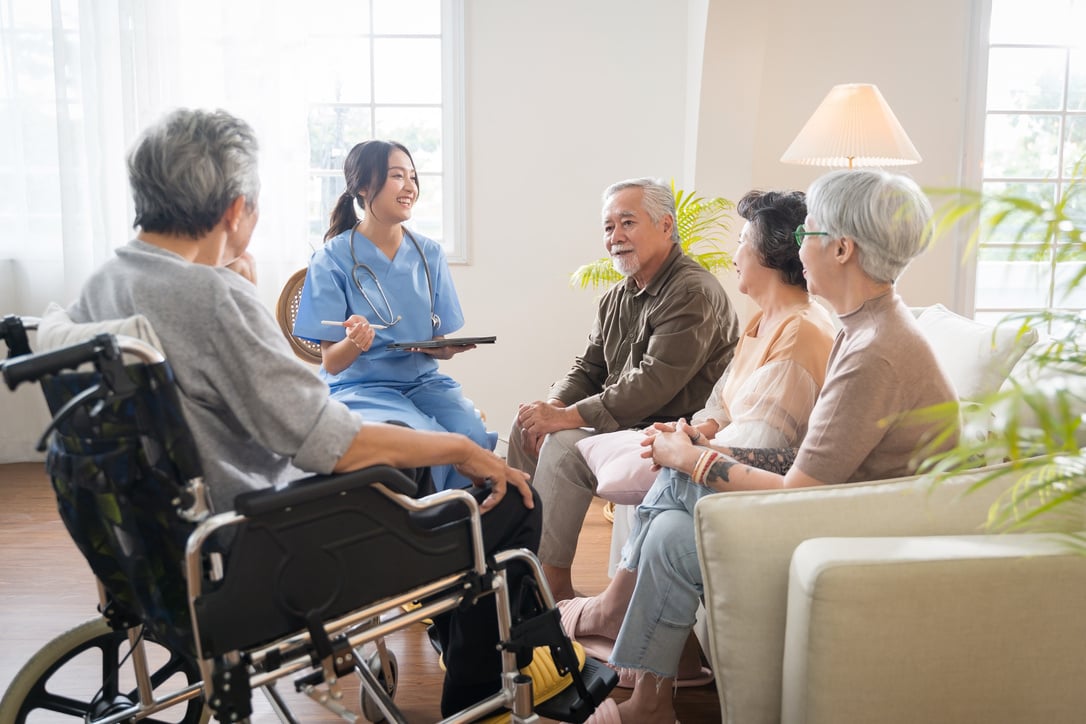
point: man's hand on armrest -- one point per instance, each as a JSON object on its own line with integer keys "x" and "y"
{"x": 402, "y": 447}
{"x": 487, "y": 469}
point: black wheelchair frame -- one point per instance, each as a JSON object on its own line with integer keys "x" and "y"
{"x": 285, "y": 585}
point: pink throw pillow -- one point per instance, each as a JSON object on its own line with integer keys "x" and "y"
{"x": 622, "y": 475}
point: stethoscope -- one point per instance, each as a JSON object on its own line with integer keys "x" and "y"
{"x": 392, "y": 319}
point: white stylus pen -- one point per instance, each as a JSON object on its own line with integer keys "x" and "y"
{"x": 333, "y": 323}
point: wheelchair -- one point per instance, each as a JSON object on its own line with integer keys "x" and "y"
{"x": 295, "y": 583}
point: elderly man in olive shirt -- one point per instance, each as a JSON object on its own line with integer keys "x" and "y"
{"x": 660, "y": 341}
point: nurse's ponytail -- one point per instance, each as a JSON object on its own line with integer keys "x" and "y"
{"x": 365, "y": 170}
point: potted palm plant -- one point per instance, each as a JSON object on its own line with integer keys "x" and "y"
{"x": 1035, "y": 421}
{"x": 702, "y": 223}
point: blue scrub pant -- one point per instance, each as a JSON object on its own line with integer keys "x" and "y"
{"x": 437, "y": 403}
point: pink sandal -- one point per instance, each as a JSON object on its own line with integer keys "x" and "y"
{"x": 596, "y": 646}
{"x": 607, "y": 713}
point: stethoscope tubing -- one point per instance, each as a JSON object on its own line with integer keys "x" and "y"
{"x": 392, "y": 319}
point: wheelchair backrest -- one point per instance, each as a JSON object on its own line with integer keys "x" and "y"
{"x": 123, "y": 465}
{"x": 119, "y": 468}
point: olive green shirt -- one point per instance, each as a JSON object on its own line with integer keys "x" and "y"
{"x": 654, "y": 353}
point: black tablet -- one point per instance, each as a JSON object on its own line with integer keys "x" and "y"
{"x": 447, "y": 342}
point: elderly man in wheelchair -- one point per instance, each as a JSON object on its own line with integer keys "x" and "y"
{"x": 263, "y": 573}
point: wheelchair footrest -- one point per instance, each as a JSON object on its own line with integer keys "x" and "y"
{"x": 569, "y": 706}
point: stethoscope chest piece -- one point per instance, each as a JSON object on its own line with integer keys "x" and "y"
{"x": 392, "y": 318}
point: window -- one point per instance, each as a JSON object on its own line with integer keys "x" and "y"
{"x": 387, "y": 69}
{"x": 1034, "y": 139}
{"x": 79, "y": 81}
{"x": 35, "y": 103}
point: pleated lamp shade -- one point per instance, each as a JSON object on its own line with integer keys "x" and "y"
{"x": 852, "y": 127}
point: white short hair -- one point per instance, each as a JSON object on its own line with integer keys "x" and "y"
{"x": 886, "y": 214}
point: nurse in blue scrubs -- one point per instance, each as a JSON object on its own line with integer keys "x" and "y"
{"x": 374, "y": 282}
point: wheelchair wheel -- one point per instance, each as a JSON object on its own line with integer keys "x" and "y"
{"x": 370, "y": 709}
{"x": 83, "y": 674}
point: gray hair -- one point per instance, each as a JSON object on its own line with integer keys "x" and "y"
{"x": 657, "y": 200}
{"x": 188, "y": 168}
{"x": 886, "y": 215}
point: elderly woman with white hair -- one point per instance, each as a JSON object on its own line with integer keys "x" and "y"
{"x": 861, "y": 231}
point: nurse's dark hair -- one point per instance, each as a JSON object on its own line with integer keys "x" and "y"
{"x": 365, "y": 170}
{"x": 773, "y": 217}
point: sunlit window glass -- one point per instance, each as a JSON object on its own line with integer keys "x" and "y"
{"x": 1034, "y": 146}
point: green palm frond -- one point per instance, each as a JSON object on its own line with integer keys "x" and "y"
{"x": 1035, "y": 420}
{"x": 1037, "y": 228}
{"x": 598, "y": 273}
{"x": 702, "y": 224}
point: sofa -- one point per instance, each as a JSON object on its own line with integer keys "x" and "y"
{"x": 891, "y": 601}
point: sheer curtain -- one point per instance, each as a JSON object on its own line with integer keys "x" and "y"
{"x": 79, "y": 79}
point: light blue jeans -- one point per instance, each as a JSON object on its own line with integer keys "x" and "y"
{"x": 662, "y": 551}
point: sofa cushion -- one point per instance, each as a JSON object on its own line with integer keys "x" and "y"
{"x": 976, "y": 356}
{"x": 745, "y": 545}
{"x": 859, "y": 607}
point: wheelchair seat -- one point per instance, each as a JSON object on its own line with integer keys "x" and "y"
{"x": 294, "y": 581}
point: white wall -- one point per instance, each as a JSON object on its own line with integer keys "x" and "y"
{"x": 566, "y": 97}
{"x": 768, "y": 65}
{"x": 596, "y": 89}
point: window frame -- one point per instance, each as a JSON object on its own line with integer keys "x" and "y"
{"x": 974, "y": 175}
{"x": 453, "y": 129}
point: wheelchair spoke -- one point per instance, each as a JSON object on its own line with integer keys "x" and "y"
{"x": 42, "y": 698}
{"x": 86, "y": 674}
{"x": 176, "y": 664}
{"x": 111, "y": 664}
{"x": 45, "y": 701}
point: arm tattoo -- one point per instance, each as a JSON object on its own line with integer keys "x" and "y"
{"x": 775, "y": 460}
{"x": 718, "y": 472}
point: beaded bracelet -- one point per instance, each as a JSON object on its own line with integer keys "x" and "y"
{"x": 703, "y": 465}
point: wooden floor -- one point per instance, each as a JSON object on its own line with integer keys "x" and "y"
{"x": 46, "y": 588}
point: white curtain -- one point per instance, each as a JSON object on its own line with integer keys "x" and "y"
{"x": 79, "y": 79}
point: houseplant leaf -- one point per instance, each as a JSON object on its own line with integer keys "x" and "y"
{"x": 702, "y": 224}
{"x": 1039, "y": 413}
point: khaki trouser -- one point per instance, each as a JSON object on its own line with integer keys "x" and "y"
{"x": 565, "y": 485}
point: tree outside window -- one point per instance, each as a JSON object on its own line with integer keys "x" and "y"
{"x": 1034, "y": 139}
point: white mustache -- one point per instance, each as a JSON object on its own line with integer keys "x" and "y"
{"x": 617, "y": 248}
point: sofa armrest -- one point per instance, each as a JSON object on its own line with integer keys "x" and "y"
{"x": 935, "y": 628}
{"x": 746, "y": 541}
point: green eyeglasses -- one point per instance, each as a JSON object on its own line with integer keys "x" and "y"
{"x": 800, "y": 232}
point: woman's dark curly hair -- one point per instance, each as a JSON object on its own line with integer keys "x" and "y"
{"x": 774, "y": 216}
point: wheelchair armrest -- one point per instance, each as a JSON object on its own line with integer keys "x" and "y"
{"x": 315, "y": 487}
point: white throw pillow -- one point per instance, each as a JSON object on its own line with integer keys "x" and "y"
{"x": 56, "y": 329}
{"x": 976, "y": 356}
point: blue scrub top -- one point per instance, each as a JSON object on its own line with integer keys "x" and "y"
{"x": 330, "y": 292}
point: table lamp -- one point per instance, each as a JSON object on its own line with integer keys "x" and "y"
{"x": 852, "y": 127}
